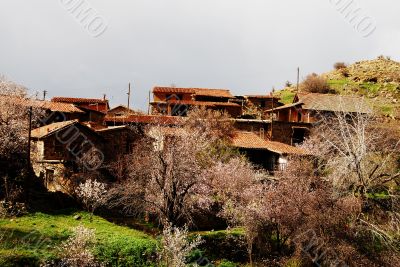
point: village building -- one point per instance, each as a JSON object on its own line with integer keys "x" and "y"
{"x": 121, "y": 111}
{"x": 94, "y": 109}
{"x": 254, "y": 106}
{"x": 87, "y": 103}
{"x": 270, "y": 155}
{"x": 61, "y": 150}
{"x": 310, "y": 107}
{"x": 290, "y": 133}
{"x": 143, "y": 120}
{"x": 118, "y": 140}
{"x": 178, "y": 101}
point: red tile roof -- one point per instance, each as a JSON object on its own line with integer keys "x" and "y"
{"x": 146, "y": 119}
{"x": 198, "y": 103}
{"x": 224, "y": 93}
{"x": 78, "y": 100}
{"x": 60, "y": 107}
{"x": 250, "y": 140}
{"x": 282, "y": 148}
{"x": 243, "y": 139}
{"x": 53, "y": 106}
{"x": 262, "y": 96}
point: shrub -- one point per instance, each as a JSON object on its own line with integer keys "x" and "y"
{"x": 92, "y": 194}
{"x": 288, "y": 84}
{"x": 339, "y": 65}
{"x": 176, "y": 246}
{"x": 76, "y": 249}
{"x": 316, "y": 84}
{"x": 119, "y": 251}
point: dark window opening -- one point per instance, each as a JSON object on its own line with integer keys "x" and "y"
{"x": 299, "y": 116}
{"x": 49, "y": 176}
{"x": 299, "y": 135}
{"x": 58, "y": 147}
{"x": 179, "y": 110}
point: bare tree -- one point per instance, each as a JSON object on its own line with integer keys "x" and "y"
{"x": 14, "y": 107}
{"x": 75, "y": 251}
{"x": 359, "y": 156}
{"x": 166, "y": 176}
{"x": 357, "y": 153}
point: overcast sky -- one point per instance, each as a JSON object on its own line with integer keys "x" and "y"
{"x": 247, "y": 46}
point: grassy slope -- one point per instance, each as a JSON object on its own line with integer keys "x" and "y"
{"x": 33, "y": 238}
{"x": 372, "y": 91}
{"x": 376, "y": 92}
{"x": 383, "y": 93}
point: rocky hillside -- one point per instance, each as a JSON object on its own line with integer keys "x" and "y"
{"x": 378, "y": 80}
{"x": 380, "y": 70}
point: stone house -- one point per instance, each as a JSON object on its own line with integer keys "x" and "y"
{"x": 61, "y": 150}
{"x": 310, "y": 107}
{"x": 177, "y": 101}
{"x": 270, "y": 155}
{"x": 87, "y": 103}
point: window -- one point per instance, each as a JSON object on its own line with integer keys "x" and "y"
{"x": 58, "y": 147}
{"x": 49, "y": 176}
{"x": 299, "y": 134}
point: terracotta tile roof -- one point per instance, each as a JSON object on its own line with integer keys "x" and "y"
{"x": 214, "y": 92}
{"x": 285, "y": 149}
{"x": 194, "y": 91}
{"x": 53, "y": 106}
{"x": 330, "y": 102}
{"x": 78, "y": 100}
{"x": 46, "y": 130}
{"x": 146, "y": 119}
{"x": 251, "y": 140}
{"x": 243, "y": 139}
{"x": 60, "y": 107}
{"x": 171, "y": 90}
{"x": 199, "y": 103}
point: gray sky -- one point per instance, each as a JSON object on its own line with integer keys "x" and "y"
{"x": 245, "y": 46}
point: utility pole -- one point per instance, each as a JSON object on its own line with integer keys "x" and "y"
{"x": 298, "y": 79}
{"x": 272, "y": 118}
{"x": 44, "y": 95}
{"x": 29, "y": 137}
{"x": 129, "y": 94}
{"x": 148, "y": 105}
{"x": 28, "y": 163}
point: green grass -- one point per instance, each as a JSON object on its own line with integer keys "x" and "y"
{"x": 223, "y": 245}
{"x": 286, "y": 96}
{"x": 32, "y": 239}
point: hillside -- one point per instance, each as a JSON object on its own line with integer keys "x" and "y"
{"x": 378, "y": 80}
